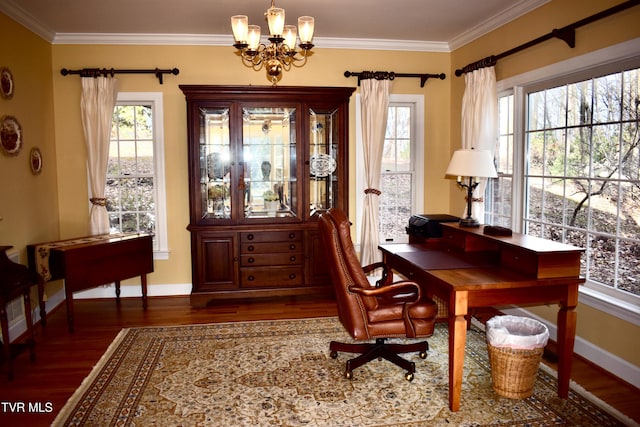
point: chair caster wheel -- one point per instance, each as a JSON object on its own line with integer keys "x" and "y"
{"x": 423, "y": 355}
{"x": 348, "y": 375}
{"x": 408, "y": 376}
{"x": 333, "y": 354}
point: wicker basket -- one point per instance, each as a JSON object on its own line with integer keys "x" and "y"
{"x": 514, "y": 371}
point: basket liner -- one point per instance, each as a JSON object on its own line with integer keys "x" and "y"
{"x": 516, "y": 332}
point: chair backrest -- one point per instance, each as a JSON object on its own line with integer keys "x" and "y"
{"x": 345, "y": 271}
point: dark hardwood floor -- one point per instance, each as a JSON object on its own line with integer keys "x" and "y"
{"x": 63, "y": 360}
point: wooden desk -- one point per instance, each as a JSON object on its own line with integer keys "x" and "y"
{"x": 468, "y": 269}
{"x": 87, "y": 262}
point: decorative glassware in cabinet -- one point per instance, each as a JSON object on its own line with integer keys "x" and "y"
{"x": 322, "y": 161}
{"x": 215, "y": 160}
{"x": 269, "y": 162}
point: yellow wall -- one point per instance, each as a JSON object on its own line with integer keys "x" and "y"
{"x": 603, "y": 330}
{"x": 28, "y": 203}
{"x": 54, "y": 204}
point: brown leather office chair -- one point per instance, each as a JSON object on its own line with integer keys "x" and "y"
{"x": 386, "y": 310}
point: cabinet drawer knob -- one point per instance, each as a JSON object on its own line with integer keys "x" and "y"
{"x": 250, "y": 278}
{"x": 251, "y": 260}
{"x": 250, "y": 237}
{"x": 292, "y": 258}
{"x": 292, "y": 276}
{"x": 292, "y": 235}
{"x": 250, "y": 248}
{"x": 292, "y": 246}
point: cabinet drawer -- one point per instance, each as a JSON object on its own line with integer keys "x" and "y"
{"x": 261, "y": 248}
{"x": 272, "y": 259}
{"x": 261, "y": 277}
{"x": 270, "y": 236}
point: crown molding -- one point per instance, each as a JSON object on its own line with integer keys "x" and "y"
{"x": 517, "y": 10}
{"x": 227, "y": 40}
{"x": 143, "y": 39}
{"x": 380, "y": 44}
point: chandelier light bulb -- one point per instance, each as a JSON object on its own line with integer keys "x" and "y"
{"x": 253, "y": 37}
{"x": 275, "y": 19}
{"x": 239, "y": 25}
{"x": 290, "y": 35}
{"x": 305, "y": 28}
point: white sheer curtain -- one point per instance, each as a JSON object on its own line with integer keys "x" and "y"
{"x": 99, "y": 95}
{"x": 480, "y": 121}
{"x": 374, "y": 106}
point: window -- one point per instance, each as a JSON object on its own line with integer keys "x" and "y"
{"x": 135, "y": 172}
{"x": 401, "y": 167}
{"x": 498, "y": 200}
{"x": 575, "y": 154}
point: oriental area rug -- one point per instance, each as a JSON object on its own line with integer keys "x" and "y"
{"x": 279, "y": 373}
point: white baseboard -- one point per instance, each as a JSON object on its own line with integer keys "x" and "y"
{"x": 596, "y": 355}
{"x": 109, "y": 291}
{"x": 19, "y": 326}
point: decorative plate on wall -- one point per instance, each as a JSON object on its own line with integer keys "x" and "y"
{"x": 35, "y": 160}
{"x": 10, "y": 135}
{"x": 6, "y": 83}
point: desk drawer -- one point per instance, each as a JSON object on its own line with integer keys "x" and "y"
{"x": 541, "y": 265}
{"x": 468, "y": 242}
{"x": 266, "y": 277}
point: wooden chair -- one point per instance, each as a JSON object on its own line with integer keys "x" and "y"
{"x": 15, "y": 282}
{"x": 385, "y": 310}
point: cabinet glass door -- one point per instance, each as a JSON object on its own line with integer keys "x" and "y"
{"x": 323, "y": 151}
{"x": 269, "y": 162}
{"x": 214, "y": 163}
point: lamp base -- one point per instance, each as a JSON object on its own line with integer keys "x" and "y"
{"x": 469, "y": 222}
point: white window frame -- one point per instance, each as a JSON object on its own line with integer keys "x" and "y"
{"x": 161, "y": 251}
{"x": 616, "y": 303}
{"x": 417, "y": 155}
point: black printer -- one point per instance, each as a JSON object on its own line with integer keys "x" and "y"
{"x": 425, "y": 226}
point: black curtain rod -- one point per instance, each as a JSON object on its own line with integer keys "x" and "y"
{"x": 566, "y": 34}
{"x": 390, "y": 75}
{"x": 97, "y": 72}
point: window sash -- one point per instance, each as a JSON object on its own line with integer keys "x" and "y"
{"x": 153, "y": 99}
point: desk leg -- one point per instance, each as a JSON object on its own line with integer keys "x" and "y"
{"x": 458, "y": 308}
{"x": 69, "y": 302}
{"x": 144, "y": 290}
{"x": 567, "y": 317}
{"x": 43, "y": 308}
{"x": 117, "y": 291}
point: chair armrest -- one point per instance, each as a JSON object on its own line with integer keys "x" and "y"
{"x": 402, "y": 287}
{"x": 387, "y": 274}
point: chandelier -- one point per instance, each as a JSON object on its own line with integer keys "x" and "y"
{"x": 280, "y": 54}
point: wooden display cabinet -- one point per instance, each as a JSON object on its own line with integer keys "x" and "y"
{"x": 264, "y": 162}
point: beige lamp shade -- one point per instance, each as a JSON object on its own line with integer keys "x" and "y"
{"x": 471, "y": 163}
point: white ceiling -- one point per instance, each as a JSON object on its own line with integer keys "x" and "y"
{"x": 438, "y": 25}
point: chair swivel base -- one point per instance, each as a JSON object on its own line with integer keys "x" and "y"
{"x": 379, "y": 350}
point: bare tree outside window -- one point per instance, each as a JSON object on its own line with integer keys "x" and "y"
{"x": 130, "y": 172}
{"x": 582, "y": 174}
{"x": 397, "y": 175}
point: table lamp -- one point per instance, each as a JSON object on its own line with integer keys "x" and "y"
{"x": 472, "y": 164}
